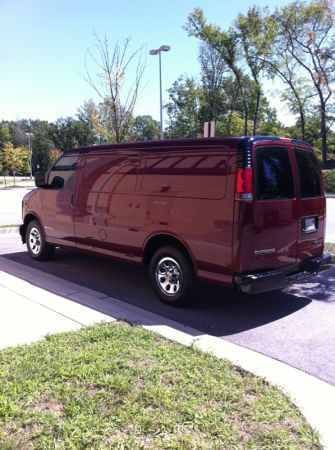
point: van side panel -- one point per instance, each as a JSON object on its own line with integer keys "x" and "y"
{"x": 109, "y": 216}
{"x": 190, "y": 194}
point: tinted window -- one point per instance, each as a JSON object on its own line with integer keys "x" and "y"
{"x": 66, "y": 163}
{"x": 274, "y": 174}
{"x": 309, "y": 173}
{"x": 64, "y": 168}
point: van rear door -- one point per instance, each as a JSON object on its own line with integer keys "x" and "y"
{"x": 311, "y": 204}
{"x": 275, "y": 213}
{"x": 269, "y": 223}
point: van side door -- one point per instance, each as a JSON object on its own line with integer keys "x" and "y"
{"x": 108, "y": 215}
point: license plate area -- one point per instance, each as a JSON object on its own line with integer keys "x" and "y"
{"x": 310, "y": 224}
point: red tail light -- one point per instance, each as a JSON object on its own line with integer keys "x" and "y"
{"x": 244, "y": 184}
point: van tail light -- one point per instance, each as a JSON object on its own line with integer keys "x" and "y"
{"x": 244, "y": 184}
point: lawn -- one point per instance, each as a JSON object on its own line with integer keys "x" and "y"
{"x": 330, "y": 247}
{"x": 118, "y": 386}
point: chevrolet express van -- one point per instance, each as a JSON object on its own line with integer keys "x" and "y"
{"x": 244, "y": 212}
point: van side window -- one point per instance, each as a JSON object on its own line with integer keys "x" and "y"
{"x": 274, "y": 174}
{"x": 64, "y": 168}
{"x": 309, "y": 174}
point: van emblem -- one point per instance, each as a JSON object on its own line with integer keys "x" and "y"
{"x": 265, "y": 251}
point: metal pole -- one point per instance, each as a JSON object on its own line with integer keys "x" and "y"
{"x": 160, "y": 95}
{"x": 31, "y": 155}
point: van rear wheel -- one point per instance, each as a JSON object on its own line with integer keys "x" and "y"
{"x": 37, "y": 246}
{"x": 171, "y": 276}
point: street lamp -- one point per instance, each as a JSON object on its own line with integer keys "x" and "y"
{"x": 158, "y": 51}
{"x": 29, "y": 135}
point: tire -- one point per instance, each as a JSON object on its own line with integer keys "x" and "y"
{"x": 37, "y": 246}
{"x": 176, "y": 289}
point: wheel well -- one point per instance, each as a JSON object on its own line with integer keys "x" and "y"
{"x": 29, "y": 218}
{"x": 164, "y": 240}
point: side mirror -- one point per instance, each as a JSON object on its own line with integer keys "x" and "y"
{"x": 40, "y": 180}
{"x": 57, "y": 183}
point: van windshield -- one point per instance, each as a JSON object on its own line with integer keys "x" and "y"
{"x": 274, "y": 174}
{"x": 309, "y": 174}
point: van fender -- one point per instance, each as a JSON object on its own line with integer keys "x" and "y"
{"x": 29, "y": 216}
{"x": 172, "y": 237}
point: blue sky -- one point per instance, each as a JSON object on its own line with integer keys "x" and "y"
{"x": 43, "y": 44}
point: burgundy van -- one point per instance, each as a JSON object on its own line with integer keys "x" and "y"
{"x": 244, "y": 212}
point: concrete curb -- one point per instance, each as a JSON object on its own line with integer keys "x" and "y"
{"x": 9, "y": 229}
{"x": 83, "y": 306}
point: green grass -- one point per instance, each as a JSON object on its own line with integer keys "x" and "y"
{"x": 9, "y": 226}
{"x": 118, "y": 386}
{"x": 330, "y": 247}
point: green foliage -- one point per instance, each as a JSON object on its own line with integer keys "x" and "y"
{"x": 184, "y": 108}
{"x": 144, "y": 128}
{"x": 329, "y": 180}
{"x": 15, "y": 160}
{"x": 67, "y": 133}
{"x": 232, "y": 125}
{"x": 41, "y": 145}
{"x": 5, "y": 135}
{"x": 295, "y": 44}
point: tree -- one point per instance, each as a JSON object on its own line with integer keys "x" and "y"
{"x": 308, "y": 31}
{"x": 67, "y": 133}
{"x": 5, "y": 135}
{"x": 226, "y": 44}
{"x": 41, "y": 146}
{"x": 145, "y": 128}
{"x": 54, "y": 155}
{"x": 112, "y": 83}
{"x": 15, "y": 160}
{"x": 213, "y": 78}
{"x": 256, "y": 33}
{"x": 184, "y": 108}
{"x": 89, "y": 114}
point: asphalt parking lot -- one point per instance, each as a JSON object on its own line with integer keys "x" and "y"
{"x": 296, "y": 327}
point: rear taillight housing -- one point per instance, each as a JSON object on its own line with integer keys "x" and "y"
{"x": 244, "y": 179}
{"x": 244, "y": 184}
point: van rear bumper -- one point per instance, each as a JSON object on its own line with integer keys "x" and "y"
{"x": 259, "y": 282}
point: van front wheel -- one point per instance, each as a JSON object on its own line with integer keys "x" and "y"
{"x": 37, "y": 246}
{"x": 171, "y": 276}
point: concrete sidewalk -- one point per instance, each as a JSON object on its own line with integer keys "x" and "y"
{"x": 11, "y": 205}
{"x": 34, "y": 304}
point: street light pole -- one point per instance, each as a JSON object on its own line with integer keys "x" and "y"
{"x": 30, "y": 154}
{"x": 158, "y": 51}
{"x": 160, "y": 96}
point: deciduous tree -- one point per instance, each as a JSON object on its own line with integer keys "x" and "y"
{"x": 112, "y": 81}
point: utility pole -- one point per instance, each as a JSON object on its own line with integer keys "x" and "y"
{"x": 158, "y": 51}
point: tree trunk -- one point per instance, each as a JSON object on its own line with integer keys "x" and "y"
{"x": 245, "y": 121}
{"x": 302, "y": 122}
{"x": 323, "y": 126}
{"x": 258, "y": 99}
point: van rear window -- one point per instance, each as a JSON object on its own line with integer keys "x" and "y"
{"x": 309, "y": 173}
{"x": 274, "y": 174}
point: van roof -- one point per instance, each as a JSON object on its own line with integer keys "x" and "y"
{"x": 184, "y": 143}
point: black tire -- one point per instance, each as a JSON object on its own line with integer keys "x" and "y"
{"x": 37, "y": 246}
{"x": 179, "y": 273}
